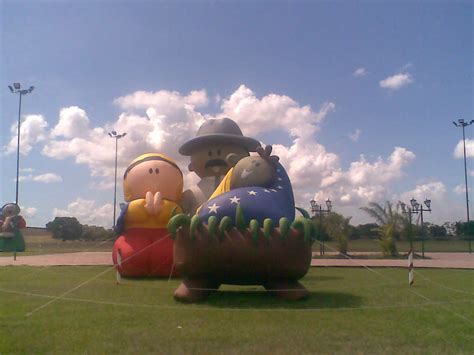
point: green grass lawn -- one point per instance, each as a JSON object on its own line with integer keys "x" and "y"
{"x": 351, "y": 310}
{"x": 43, "y": 243}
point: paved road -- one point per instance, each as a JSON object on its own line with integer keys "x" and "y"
{"x": 437, "y": 260}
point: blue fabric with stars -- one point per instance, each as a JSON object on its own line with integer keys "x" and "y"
{"x": 258, "y": 202}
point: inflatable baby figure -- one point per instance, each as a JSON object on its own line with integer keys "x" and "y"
{"x": 152, "y": 185}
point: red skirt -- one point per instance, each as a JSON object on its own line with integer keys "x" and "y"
{"x": 144, "y": 252}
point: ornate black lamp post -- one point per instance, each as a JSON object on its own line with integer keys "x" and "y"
{"x": 315, "y": 208}
{"x": 418, "y": 208}
{"x": 408, "y": 211}
{"x": 16, "y": 89}
{"x": 117, "y": 136}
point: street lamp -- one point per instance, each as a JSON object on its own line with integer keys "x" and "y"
{"x": 315, "y": 208}
{"x": 116, "y": 136}
{"x": 408, "y": 211}
{"x": 16, "y": 89}
{"x": 463, "y": 124}
{"x": 418, "y": 208}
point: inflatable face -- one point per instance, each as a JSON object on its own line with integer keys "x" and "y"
{"x": 252, "y": 171}
{"x": 153, "y": 173}
{"x": 216, "y": 159}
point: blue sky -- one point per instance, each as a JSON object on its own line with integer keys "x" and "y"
{"x": 295, "y": 61}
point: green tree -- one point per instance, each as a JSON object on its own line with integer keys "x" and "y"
{"x": 96, "y": 233}
{"x": 390, "y": 225}
{"x": 437, "y": 232}
{"x": 65, "y": 228}
{"x": 366, "y": 230}
{"x": 339, "y": 229}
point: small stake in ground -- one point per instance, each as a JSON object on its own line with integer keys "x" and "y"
{"x": 118, "y": 277}
{"x": 410, "y": 268}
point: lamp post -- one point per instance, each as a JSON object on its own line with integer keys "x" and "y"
{"x": 315, "y": 208}
{"x": 408, "y": 211}
{"x": 418, "y": 208}
{"x": 16, "y": 89}
{"x": 116, "y": 136}
{"x": 463, "y": 124}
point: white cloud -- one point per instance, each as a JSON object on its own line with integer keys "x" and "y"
{"x": 360, "y": 72}
{"x": 355, "y": 135}
{"x": 307, "y": 163}
{"x": 47, "y": 178}
{"x": 460, "y": 189}
{"x": 26, "y": 170}
{"x": 459, "y": 150}
{"x": 435, "y": 190}
{"x": 73, "y": 122}
{"x": 443, "y": 207}
{"x": 396, "y": 81}
{"x": 364, "y": 181}
{"x": 32, "y": 131}
{"x": 171, "y": 118}
{"x": 273, "y": 111}
{"x": 171, "y": 100}
{"x": 87, "y": 212}
{"x": 28, "y": 211}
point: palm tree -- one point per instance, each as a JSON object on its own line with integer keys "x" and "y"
{"x": 390, "y": 224}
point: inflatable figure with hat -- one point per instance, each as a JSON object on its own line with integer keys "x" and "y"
{"x": 246, "y": 232}
{"x": 152, "y": 186}
{"x": 11, "y": 223}
{"x": 217, "y": 147}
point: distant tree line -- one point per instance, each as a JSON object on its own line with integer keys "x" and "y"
{"x": 69, "y": 228}
{"x": 390, "y": 226}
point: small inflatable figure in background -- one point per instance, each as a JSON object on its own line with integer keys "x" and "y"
{"x": 152, "y": 185}
{"x": 11, "y": 223}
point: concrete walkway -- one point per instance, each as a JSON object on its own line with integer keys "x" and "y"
{"x": 433, "y": 260}
{"x": 436, "y": 260}
{"x": 80, "y": 258}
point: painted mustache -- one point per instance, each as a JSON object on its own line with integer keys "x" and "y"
{"x": 215, "y": 163}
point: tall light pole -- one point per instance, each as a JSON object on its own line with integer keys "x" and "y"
{"x": 463, "y": 124}
{"x": 16, "y": 89}
{"x": 116, "y": 136}
{"x": 315, "y": 208}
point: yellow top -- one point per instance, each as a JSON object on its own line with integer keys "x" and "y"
{"x": 223, "y": 187}
{"x": 138, "y": 217}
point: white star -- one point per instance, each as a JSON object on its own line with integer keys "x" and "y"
{"x": 252, "y": 192}
{"x": 280, "y": 187}
{"x": 213, "y": 208}
{"x": 280, "y": 179}
{"x": 266, "y": 190}
{"x": 278, "y": 170}
{"x": 273, "y": 190}
{"x": 235, "y": 200}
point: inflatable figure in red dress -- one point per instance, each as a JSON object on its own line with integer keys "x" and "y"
{"x": 152, "y": 185}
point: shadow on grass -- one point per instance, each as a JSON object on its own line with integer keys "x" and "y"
{"x": 319, "y": 278}
{"x": 263, "y": 299}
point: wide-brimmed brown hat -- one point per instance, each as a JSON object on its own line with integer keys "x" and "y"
{"x": 222, "y": 130}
